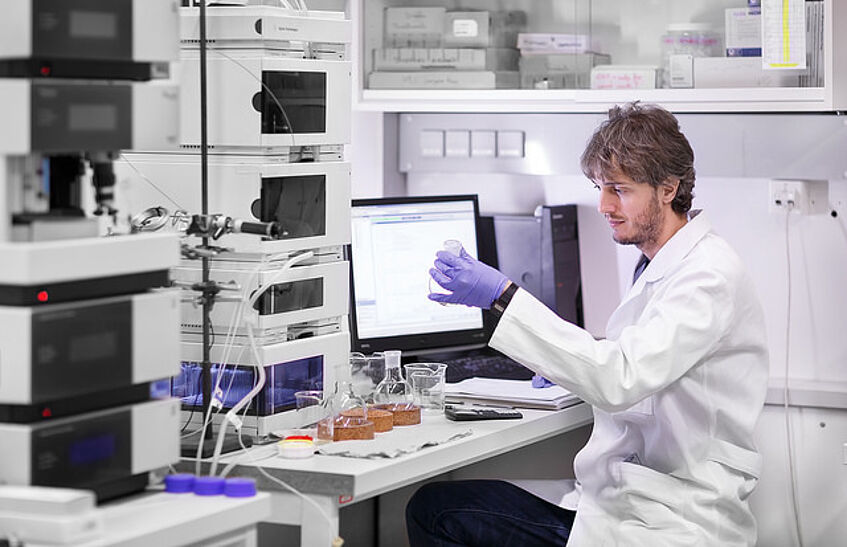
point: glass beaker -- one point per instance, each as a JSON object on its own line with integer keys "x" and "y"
{"x": 393, "y": 388}
{"x": 349, "y": 415}
{"x": 366, "y": 371}
{"x": 320, "y": 408}
{"x": 346, "y": 399}
{"x": 427, "y": 381}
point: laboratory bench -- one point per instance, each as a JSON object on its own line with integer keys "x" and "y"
{"x": 335, "y": 482}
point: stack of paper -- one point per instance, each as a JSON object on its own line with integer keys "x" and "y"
{"x": 515, "y": 393}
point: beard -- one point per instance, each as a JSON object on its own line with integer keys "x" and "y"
{"x": 646, "y": 226}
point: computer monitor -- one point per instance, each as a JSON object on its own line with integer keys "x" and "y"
{"x": 393, "y": 247}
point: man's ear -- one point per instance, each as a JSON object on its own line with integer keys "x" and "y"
{"x": 668, "y": 190}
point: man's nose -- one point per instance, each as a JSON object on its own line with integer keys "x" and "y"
{"x": 605, "y": 204}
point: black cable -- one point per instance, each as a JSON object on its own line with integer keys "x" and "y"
{"x": 198, "y": 390}
{"x": 193, "y": 403}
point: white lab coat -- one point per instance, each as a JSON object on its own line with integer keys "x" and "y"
{"x": 676, "y": 387}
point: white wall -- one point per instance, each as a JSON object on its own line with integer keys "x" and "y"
{"x": 819, "y": 436}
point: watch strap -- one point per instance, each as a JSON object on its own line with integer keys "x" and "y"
{"x": 499, "y": 306}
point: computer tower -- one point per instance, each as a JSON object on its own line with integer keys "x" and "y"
{"x": 541, "y": 254}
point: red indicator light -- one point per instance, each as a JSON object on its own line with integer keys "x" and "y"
{"x": 42, "y": 296}
{"x": 45, "y": 71}
{"x": 46, "y": 413}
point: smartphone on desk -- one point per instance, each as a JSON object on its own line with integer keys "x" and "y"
{"x": 465, "y": 413}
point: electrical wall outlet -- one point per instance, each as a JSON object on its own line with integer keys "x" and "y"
{"x": 806, "y": 197}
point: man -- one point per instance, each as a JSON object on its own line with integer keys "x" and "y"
{"x": 677, "y": 385}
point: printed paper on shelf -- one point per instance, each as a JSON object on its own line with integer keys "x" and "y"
{"x": 783, "y": 34}
{"x": 465, "y": 28}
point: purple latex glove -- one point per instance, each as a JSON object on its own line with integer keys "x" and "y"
{"x": 471, "y": 282}
{"x": 541, "y": 382}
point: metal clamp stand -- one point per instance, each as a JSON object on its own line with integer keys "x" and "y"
{"x": 206, "y": 438}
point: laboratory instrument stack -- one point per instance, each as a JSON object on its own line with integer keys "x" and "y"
{"x": 279, "y": 101}
{"x": 86, "y": 335}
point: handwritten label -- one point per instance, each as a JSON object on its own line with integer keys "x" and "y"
{"x": 619, "y": 79}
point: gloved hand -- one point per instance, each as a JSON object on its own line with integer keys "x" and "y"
{"x": 472, "y": 283}
{"x": 541, "y": 382}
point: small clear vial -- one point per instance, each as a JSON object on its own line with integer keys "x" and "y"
{"x": 453, "y": 246}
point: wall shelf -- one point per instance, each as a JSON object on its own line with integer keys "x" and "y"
{"x": 630, "y": 34}
{"x": 810, "y": 99}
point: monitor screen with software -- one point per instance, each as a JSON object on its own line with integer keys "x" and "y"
{"x": 393, "y": 247}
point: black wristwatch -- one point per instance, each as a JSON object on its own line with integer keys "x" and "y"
{"x": 499, "y": 305}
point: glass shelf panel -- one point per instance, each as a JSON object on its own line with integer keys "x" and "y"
{"x": 432, "y": 70}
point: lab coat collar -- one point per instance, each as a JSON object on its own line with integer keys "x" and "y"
{"x": 679, "y": 245}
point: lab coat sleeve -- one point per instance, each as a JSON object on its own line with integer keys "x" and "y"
{"x": 676, "y": 331}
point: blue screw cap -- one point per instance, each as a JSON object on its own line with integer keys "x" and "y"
{"x": 180, "y": 483}
{"x": 240, "y": 488}
{"x": 209, "y": 486}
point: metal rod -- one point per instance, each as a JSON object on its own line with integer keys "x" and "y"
{"x": 206, "y": 365}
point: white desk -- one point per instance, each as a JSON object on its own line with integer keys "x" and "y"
{"x": 171, "y": 520}
{"x": 334, "y": 481}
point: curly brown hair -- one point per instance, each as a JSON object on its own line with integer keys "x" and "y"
{"x": 643, "y": 142}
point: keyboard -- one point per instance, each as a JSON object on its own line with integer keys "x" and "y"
{"x": 484, "y": 365}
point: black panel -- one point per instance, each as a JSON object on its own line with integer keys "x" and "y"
{"x": 105, "y": 491}
{"x": 566, "y": 266}
{"x": 302, "y": 96}
{"x": 82, "y": 29}
{"x": 61, "y": 408}
{"x": 295, "y": 295}
{"x": 487, "y": 255}
{"x": 70, "y": 291}
{"x": 567, "y": 278}
{"x": 81, "y": 349}
{"x": 68, "y": 118}
{"x": 63, "y": 68}
{"x": 64, "y": 174}
{"x": 83, "y": 453}
{"x": 487, "y": 241}
{"x": 297, "y": 204}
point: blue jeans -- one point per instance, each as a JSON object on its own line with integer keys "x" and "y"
{"x": 484, "y": 513}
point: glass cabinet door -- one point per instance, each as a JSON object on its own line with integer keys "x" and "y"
{"x": 598, "y": 45}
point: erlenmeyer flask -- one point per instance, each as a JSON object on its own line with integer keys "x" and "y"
{"x": 393, "y": 389}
